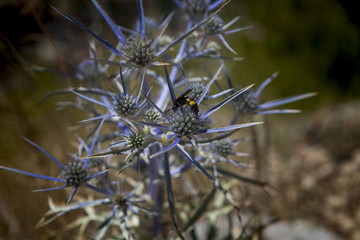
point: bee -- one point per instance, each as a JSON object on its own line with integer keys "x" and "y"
{"x": 184, "y": 99}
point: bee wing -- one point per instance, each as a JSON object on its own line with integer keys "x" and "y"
{"x": 185, "y": 93}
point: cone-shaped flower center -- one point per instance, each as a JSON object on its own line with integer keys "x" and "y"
{"x": 185, "y": 122}
{"x": 197, "y": 91}
{"x": 74, "y": 173}
{"x": 152, "y": 115}
{"x": 213, "y": 26}
{"x": 224, "y": 147}
{"x": 119, "y": 199}
{"x": 138, "y": 52}
{"x": 246, "y": 103}
{"x": 135, "y": 141}
{"x": 124, "y": 105}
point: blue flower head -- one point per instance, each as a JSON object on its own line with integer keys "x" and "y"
{"x": 72, "y": 174}
{"x": 124, "y": 105}
{"x": 248, "y": 103}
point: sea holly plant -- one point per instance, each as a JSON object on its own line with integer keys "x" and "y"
{"x": 154, "y": 129}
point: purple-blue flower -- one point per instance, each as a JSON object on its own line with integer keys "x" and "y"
{"x": 72, "y": 174}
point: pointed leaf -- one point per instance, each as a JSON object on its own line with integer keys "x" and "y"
{"x": 264, "y": 84}
{"x": 46, "y": 153}
{"x": 223, "y": 102}
{"x": 187, "y": 155}
{"x": 154, "y": 125}
{"x": 72, "y": 194}
{"x": 97, "y": 189}
{"x": 98, "y": 117}
{"x": 91, "y": 99}
{"x": 207, "y": 87}
{"x": 279, "y": 102}
{"x": 231, "y": 23}
{"x": 128, "y": 163}
{"x": 95, "y": 139}
{"x": 170, "y": 86}
{"x": 50, "y": 189}
{"x": 31, "y": 174}
{"x": 226, "y": 44}
{"x": 114, "y": 27}
{"x": 141, "y": 17}
{"x": 231, "y": 127}
{"x": 97, "y": 174}
{"x": 215, "y": 4}
{"x": 156, "y": 107}
{"x": 122, "y": 80}
{"x": 221, "y": 93}
{"x": 141, "y": 85}
{"x": 278, "y": 111}
{"x": 167, "y": 148}
{"x": 82, "y": 26}
{"x": 236, "y": 30}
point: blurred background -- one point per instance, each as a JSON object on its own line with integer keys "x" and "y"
{"x": 314, "y": 159}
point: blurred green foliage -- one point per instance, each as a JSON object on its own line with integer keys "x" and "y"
{"x": 313, "y": 44}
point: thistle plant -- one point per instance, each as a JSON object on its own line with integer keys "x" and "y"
{"x": 156, "y": 124}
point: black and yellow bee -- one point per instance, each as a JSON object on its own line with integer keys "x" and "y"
{"x": 184, "y": 99}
